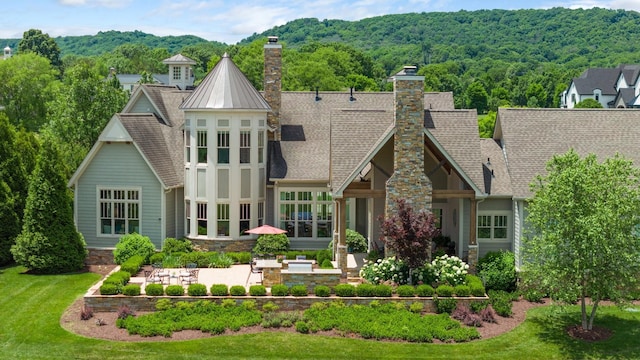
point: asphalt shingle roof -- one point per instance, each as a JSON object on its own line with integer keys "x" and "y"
{"x": 532, "y": 136}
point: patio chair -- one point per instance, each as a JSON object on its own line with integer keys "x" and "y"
{"x": 192, "y": 278}
{"x": 255, "y": 270}
{"x": 191, "y": 265}
{"x": 152, "y": 277}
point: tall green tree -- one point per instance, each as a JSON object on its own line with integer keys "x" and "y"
{"x": 10, "y": 224}
{"x": 49, "y": 242}
{"x": 477, "y": 97}
{"x": 25, "y": 89}
{"x": 584, "y": 240}
{"x": 83, "y": 106}
{"x": 34, "y": 40}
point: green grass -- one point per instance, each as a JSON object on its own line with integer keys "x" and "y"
{"x": 32, "y": 306}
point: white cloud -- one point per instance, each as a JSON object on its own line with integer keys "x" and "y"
{"x": 96, "y": 3}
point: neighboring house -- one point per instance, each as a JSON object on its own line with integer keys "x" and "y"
{"x": 612, "y": 88}
{"x": 210, "y": 163}
{"x": 180, "y": 74}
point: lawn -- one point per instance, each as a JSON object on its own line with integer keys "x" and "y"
{"x": 33, "y": 305}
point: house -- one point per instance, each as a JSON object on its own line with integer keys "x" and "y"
{"x": 211, "y": 162}
{"x": 612, "y": 88}
{"x": 528, "y": 138}
{"x": 180, "y": 74}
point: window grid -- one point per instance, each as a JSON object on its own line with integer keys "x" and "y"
{"x": 223, "y": 219}
{"x": 306, "y": 214}
{"x": 202, "y": 218}
{"x": 202, "y": 146}
{"x": 492, "y": 227}
{"x": 260, "y": 147}
{"x": 245, "y": 147}
{"x": 260, "y": 213}
{"x": 245, "y": 217}
{"x": 177, "y": 73}
{"x": 223, "y": 147}
{"x": 187, "y": 146}
{"x": 119, "y": 211}
{"x": 187, "y": 207}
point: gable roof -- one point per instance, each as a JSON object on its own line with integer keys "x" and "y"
{"x": 225, "y": 87}
{"x": 530, "y": 137}
{"x": 151, "y": 139}
{"x": 494, "y": 169}
{"x": 597, "y": 78}
{"x": 179, "y": 59}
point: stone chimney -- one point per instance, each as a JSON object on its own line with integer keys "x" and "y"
{"x": 273, "y": 84}
{"x": 408, "y": 180}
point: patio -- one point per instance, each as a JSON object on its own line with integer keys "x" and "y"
{"x": 235, "y": 275}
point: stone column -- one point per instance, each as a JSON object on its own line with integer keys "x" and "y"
{"x": 408, "y": 181}
{"x": 341, "y": 249}
{"x": 273, "y": 84}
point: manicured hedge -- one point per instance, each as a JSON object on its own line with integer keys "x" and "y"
{"x": 406, "y": 291}
{"x": 322, "y": 291}
{"x": 108, "y": 289}
{"x": 279, "y": 290}
{"x": 238, "y": 290}
{"x": 174, "y": 290}
{"x": 299, "y": 290}
{"x": 131, "y": 290}
{"x": 425, "y": 290}
{"x": 133, "y": 264}
{"x": 197, "y": 290}
{"x": 257, "y": 290}
{"x": 219, "y": 290}
{"x": 154, "y": 290}
{"x": 345, "y": 290}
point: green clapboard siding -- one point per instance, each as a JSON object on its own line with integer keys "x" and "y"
{"x": 118, "y": 165}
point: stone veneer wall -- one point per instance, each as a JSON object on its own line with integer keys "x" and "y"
{"x": 225, "y": 245}
{"x": 273, "y": 85}
{"x": 409, "y": 180}
{"x": 100, "y": 257}
{"x": 328, "y": 277}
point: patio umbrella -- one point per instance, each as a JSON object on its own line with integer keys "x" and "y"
{"x": 265, "y": 229}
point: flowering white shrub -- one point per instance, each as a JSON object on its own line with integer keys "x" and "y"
{"x": 383, "y": 270}
{"x": 449, "y": 269}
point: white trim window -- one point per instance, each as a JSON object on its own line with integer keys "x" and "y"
{"x": 493, "y": 226}
{"x": 245, "y": 218}
{"x": 177, "y": 73}
{"x": 118, "y": 211}
{"x": 306, "y": 214}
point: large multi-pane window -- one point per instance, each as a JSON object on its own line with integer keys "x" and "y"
{"x": 245, "y": 147}
{"x": 245, "y": 217}
{"x": 492, "y": 227}
{"x": 202, "y": 218}
{"x": 223, "y": 219}
{"x": 119, "y": 211}
{"x": 177, "y": 73}
{"x": 223, "y": 147}
{"x": 202, "y": 146}
{"x": 306, "y": 214}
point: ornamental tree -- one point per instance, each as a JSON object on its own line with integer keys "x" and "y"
{"x": 409, "y": 234}
{"x": 49, "y": 242}
{"x": 583, "y": 239}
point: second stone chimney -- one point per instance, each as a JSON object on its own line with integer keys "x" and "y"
{"x": 409, "y": 181}
{"x": 273, "y": 84}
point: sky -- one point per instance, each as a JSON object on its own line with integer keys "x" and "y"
{"x": 231, "y": 21}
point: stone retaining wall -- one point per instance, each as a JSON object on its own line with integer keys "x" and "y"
{"x": 328, "y": 277}
{"x": 224, "y": 245}
{"x": 100, "y": 257}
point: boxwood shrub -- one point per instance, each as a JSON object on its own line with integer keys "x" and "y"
{"x": 243, "y": 257}
{"x": 425, "y": 290}
{"x": 345, "y": 290}
{"x": 154, "y": 290}
{"x": 383, "y": 290}
{"x": 406, "y": 291}
{"x": 133, "y": 244}
{"x": 200, "y": 258}
{"x": 238, "y": 290}
{"x": 118, "y": 278}
{"x": 299, "y": 290}
{"x": 197, "y": 290}
{"x": 133, "y": 264}
{"x": 445, "y": 305}
{"x": 108, "y": 289}
{"x": 279, "y": 290}
{"x": 322, "y": 291}
{"x": 257, "y": 290}
{"x": 462, "y": 290}
{"x": 366, "y": 290}
{"x": 444, "y": 290}
{"x": 131, "y": 290}
{"x": 157, "y": 258}
{"x": 219, "y": 290}
{"x": 174, "y": 290}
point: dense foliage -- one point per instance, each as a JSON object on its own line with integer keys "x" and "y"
{"x": 271, "y": 244}
{"x": 583, "y": 240}
{"x": 498, "y": 270}
{"x": 408, "y": 233}
{"x": 133, "y": 244}
{"x": 49, "y": 241}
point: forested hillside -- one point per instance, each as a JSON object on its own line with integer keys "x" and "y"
{"x": 576, "y": 38}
